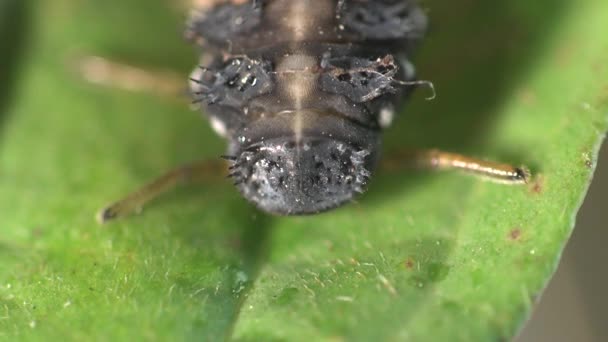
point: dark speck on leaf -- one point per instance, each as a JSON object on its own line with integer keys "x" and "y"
{"x": 538, "y": 184}
{"x": 515, "y": 234}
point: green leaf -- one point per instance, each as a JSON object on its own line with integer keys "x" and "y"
{"x": 421, "y": 256}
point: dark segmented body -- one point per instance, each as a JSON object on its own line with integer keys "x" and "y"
{"x": 301, "y": 89}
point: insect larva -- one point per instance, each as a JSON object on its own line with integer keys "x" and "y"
{"x": 301, "y": 90}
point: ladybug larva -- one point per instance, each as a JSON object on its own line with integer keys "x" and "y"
{"x": 301, "y": 90}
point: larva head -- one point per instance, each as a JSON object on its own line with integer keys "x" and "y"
{"x": 286, "y": 177}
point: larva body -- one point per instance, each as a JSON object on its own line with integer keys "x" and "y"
{"x": 301, "y": 89}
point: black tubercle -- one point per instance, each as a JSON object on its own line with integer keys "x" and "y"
{"x": 288, "y": 178}
{"x": 233, "y": 85}
{"x": 360, "y": 79}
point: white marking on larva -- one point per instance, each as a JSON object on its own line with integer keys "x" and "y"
{"x": 218, "y": 126}
{"x": 299, "y": 80}
{"x": 196, "y": 74}
{"x": 298, "y": 24}
{"x": 408, "y": 68}
{"x": 304, "y": 18}
{"x": 298, "y": 94}
{"x": 387, "y": 114}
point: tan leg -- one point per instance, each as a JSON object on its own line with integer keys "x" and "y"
{"x": 113, "y": 74}
{"x": 435, "y": 159}
{"x": 185, "y": 174}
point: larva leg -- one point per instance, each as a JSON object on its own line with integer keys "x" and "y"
{"x": 440, "y": 160}
{"x": 113, "y": 74}
{"x": 134, "y": 202}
